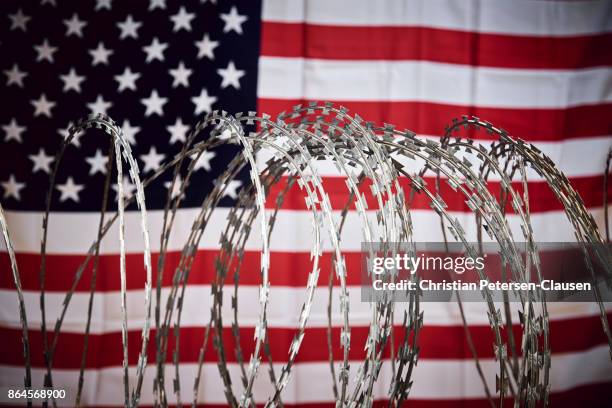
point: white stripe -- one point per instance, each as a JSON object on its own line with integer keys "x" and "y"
{"x": 73, "y": 233}
{"x": 433, "y": 380}
{"x": 283, "y": 310}
{"x": 529, "y": 18}
{"x": 335, "y": 80}
{"x": 568, "y": 154}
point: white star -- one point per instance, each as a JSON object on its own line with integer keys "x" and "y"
{"x": 153, "y": 4}
{"x": 100, "y": 55}
{"x": 211, "y": 1}
{"x": 51, "y": 2}
{"x": 203, "y": 162}
{"x": 12, "y": 188}
{"x": 127, "y": 80}
{"x": 129, "y": 28}
{"x": 103, "y": 4}
{"x": 42, "y": 106}
{"x": 74, "y": 26}
{"x": 155, "y": 50}
{"x": 99, "y": 106}
{"x": 128, "y": 188}
{"x": 97, "y": 162}
{"x": 180, "y": 75}
{"x": 233, "y": 21}
{"x": 129, "y": 132}
{"x": 226, "y": 134}
{"x": 176, "y": 189}
{"x": 15, "y": 76}
{"x": 203, "y": 102}
{"x": 154, "y": 104}
{"x": 178, "y": 131}
{"x": 41, "y": 161}
{"x": 182, "y": 20}
{"x": 231, "y": 76}
{"x": 13, "y": 131}
{"x": 19, "y": 20}
{"x": 65, "y": 133}
{"x": 45, "y": 51}
{"x": 69, "y": 190}
{"x": 72, "y": 81}
{"x": 152, "y": 160}
{"x": 231, "y": 188}
{"x": 206, "y": 47}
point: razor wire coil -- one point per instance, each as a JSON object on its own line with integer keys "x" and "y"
{"x": 363, "y": 153}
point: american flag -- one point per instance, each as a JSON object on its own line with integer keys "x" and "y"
{"x": 539, "y": 69}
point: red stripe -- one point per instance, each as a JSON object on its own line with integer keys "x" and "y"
{"x": 541, "y": 197}
{"x": 590, "y": 395}
{"x": 545, "y": 125}
{"x": 434, "y": 44}
{"x": 61, "y": 270}
{"x": 435, "y": 342}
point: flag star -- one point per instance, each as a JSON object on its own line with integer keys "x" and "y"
{"x": 129, "y": 132}
{"x": 211, "y": 1}
{"x": 19, "y": 20}
{"x": 100, "y": 55}
{"x": 45, "y": 51}
{"x": 128, "y": 188}
{"x": 182, "y": 20}
{"x": 12, "y": 188}
{"x": 51, "y": 2}
{"x": 97, "y": 163}
{"x": 65, "y": 133}
{"x": 129, "y": 28}
{"x": 154, "y": 104}
{"x": 154, "y": 4}
{"x": 103, "y": 4}
{"x": 127, "y": 80}
{"x": 69, "y": 190}
{"x": 152, "y": 160}
{"x": 203, "y": 102}
{"x": 178, "y": 131}
{"x": 74, "y": 26}
{"x": 203, "y": 162}
{"x": 180, "y": 75}
{"x": 42, "y": 106}
{"x": 99, "y": 106}
{"x": 13, "y": 131}
{"x": 206, "y": 47}
{"x": 72, "y": 81}
{"x": 231, "y": 76}
{"x": 41, "y": 161}
{"x": 176, "y": 188}
{"x": 233, "y": 20}
{"x": 15, "y": 76}
{"x": 226, "y": 134}
{"x": 155, "y": 50}
{"x": 231, "y": 189}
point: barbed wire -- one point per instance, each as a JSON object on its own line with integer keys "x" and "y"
{"x": 363, "y": 153}
{"x": 605, "y": 193}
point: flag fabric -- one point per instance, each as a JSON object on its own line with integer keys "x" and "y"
{"x": 542, "y": 70}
